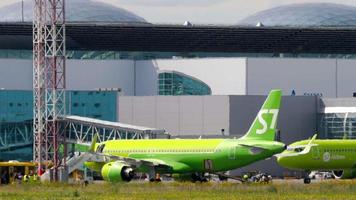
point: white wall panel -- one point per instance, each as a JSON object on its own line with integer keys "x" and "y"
{"x": 125, "y": 109}
{"x": 93, "y": 74}
{"x": 346, "y": 81}
{"x": 216, "y": 115}
{"x": 168, "y": 115}
{"x": 178, "y": 115}
{"x": 144, "y": 111}
{"x": 191, "y": 115}
{"x": 16, "y": 74}
{"x": 146, "y": 78}
{"x": 305, "y": 76}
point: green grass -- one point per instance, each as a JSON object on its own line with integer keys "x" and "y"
{"x": 338, "y": 189}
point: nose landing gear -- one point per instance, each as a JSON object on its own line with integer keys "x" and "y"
{"x": 307, "y": 179}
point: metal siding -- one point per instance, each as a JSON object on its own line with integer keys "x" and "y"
{"x": 15, "y": 74}
{"x": 346, "y": 81}
{"x": 305, "y": 76}
{"x": 94, "y": 74}
{"x": 197, "y": 38}
{"x": 144, "y": 111}
{"x": 216, "y": 115}
{"x": 146, "y": 77}
{"x": 125, "y": 109}
{"x": 191, "y": 115}
{"x": 168, "y": 115}
{"x": 179, "y": 115}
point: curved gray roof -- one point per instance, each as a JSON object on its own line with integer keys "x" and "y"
{"x": 305, "y": 15}
{"x": 76, "y": 11}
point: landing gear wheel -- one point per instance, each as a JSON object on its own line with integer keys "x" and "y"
{"x": 204, "y": 180}
{"x": 195, "y": 177}
{"x": 222, "y": 178}
{"x": 307, "y": 180}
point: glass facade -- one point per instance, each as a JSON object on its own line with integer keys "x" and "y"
{"x": 16, "y": 114}
{"x": 174, "y": 83}
{"x": 305, "y": 15}
{"x": 338, "y": 125}
{"x": 17, "y": 106}
{"x": 93, "y": 104}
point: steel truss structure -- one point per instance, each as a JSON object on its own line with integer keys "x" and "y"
{"x": 15, "y": 135}
{"x": 48, "y": 80}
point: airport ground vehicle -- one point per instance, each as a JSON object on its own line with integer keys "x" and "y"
{"x": 13, "y": 171}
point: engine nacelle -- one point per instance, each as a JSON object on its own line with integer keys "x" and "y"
{"x": 344, "y": 174}
{"x": 116, "y": 172}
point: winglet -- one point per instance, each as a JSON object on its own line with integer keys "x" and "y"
{"x": 93, "y": 143}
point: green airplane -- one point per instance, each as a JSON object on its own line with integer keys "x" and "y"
{"x": 338, "y": 156}
{"x": 190, "y": 157}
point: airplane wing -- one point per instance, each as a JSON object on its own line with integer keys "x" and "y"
{"x": 132, "y": 161}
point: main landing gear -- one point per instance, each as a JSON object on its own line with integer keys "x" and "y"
{"x": 199, "y": 177}
{"x": 156, "y": 178}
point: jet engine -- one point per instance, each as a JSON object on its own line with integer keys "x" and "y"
{"x": 117, "y": 171}
{"x": 344, "y": 174}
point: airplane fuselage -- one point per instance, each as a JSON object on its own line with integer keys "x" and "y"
{"x": 324, "y": 155}
{"x": 194, "y": 155}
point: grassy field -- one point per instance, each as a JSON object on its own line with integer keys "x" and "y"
{"x": 173, "y": 190}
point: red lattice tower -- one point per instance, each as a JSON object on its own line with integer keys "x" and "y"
{"x": 48, "y": 81}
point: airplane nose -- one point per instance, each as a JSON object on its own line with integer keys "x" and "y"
{"x": 286, "y": 161}
{"x": 281, "y": 160}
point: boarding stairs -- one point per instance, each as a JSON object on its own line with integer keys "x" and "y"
{"x": 77, "y": 160}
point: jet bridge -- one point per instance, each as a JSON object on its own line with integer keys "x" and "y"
{"x": 81, "y": 130}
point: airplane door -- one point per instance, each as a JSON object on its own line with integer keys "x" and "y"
{"x": 315, "y": 153}
{"x": 232, "y": 153}
{"x": 208, "y": 165}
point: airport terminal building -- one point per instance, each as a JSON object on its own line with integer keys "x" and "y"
{"x": 192, "y": 80}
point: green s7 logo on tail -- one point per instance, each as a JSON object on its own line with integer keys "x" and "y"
{"x": 270, "y": 121}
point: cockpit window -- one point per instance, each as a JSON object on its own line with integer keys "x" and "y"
{"x": 299, "y": 149}
{"x": 100, "y": 148}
